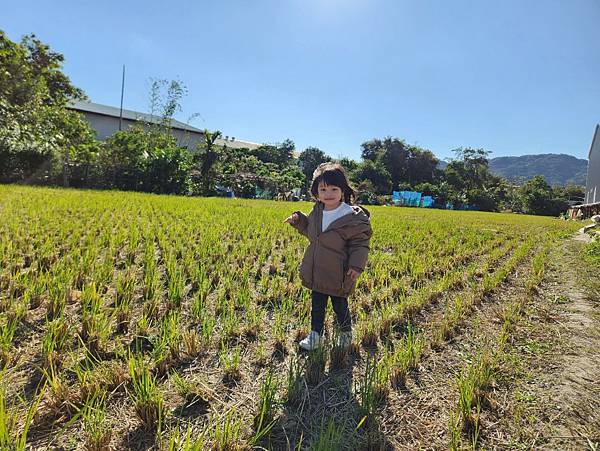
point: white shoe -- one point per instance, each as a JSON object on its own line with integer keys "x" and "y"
{"x": 312, "y": 341}
{"x": 344, "y": 339}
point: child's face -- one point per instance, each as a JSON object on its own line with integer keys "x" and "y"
{"x": 330, "y": 195}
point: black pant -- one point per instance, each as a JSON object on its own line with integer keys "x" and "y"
{"x": 340, "y": 306}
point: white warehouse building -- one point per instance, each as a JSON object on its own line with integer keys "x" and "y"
{"x": 592, "y": 186}
{"x": 105, "y": 120}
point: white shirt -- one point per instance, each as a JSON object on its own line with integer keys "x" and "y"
{"x": 331, "y": 215}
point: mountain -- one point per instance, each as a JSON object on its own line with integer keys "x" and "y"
{"x": 558, "y": 169}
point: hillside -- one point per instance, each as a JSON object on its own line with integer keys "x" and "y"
{"x": 558, "y": 169}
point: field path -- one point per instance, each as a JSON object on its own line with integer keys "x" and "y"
{"x": 573, "y": 391}
{"x": 548, "y": 391}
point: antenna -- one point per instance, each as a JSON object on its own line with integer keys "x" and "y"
{"x": 122, "y": 91}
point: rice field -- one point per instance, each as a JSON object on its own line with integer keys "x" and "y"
{"x": 135, "y": 321}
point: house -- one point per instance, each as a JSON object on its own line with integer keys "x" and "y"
{"x": 105, "y": 120}
{"x": 592, "y": 187}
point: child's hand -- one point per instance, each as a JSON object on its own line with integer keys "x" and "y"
{"x": 353, "y": 274}
{"x": 293, "y": 219}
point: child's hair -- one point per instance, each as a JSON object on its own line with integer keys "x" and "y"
{"x": 332, "y": 174}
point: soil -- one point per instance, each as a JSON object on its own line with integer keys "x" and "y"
{"x": 546, "y": 389}
{"x": 566, "y": 382}
{"x": 545, "y": 393}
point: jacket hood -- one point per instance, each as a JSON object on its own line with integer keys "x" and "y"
{"x": 363, "y": 209}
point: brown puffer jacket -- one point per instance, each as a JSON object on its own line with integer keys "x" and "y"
{"x": 345, "y": 244}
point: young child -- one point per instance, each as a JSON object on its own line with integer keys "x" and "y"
{"x": 339, "y": 237}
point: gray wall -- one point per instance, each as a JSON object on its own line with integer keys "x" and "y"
{"x": 106, "y": 126}
{"x": 592, "y": 188}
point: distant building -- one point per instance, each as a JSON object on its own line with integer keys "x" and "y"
{"x": 592, "y": 187}
{"x": 105, "y": 121}
{"x": 591, "y": 205}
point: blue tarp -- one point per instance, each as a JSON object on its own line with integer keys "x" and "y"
{"x": 412, "y": 199}
{"x": 407, "y": 198}
{"x": 427, "y": 201}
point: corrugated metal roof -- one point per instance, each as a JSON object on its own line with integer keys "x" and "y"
{"x": 237, "y": 144}
{"x": 106, "y": 110}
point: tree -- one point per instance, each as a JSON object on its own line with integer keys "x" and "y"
{"x": 237, "y": 169}
{"x": 77, "y": 149}
{"x": 165, "y": 101}
{"x": 205, "y": 160}
{"x": 281, "y": 180}
{"x": 538, "y": 198}
{"x": 421, "y": 166}
{"x": 404, "y": 163}
{"x": 309, "y": 160}
{"x": 146, "y": 157}
{"x": 281, "y": 153}
{"x": 469, "y": 169}
{"x": 167, "y": 170}
{"x": 472, "y": 183}
{"x": 374, "y": 172}
{"x": 38, "y": 135}
{"x": 573, "y": 193}
{"x": 348, "y": 164}
{"x": 243, "y": 172}
{"x": 391, "y": 153}
{"x": 370, "y": 150}
{"x": 394, "y": 156}
{"x": 31, "y": 71}
{"x": 146, "y": 160}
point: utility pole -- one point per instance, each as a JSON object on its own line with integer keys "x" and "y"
{"x": 122, "y": 90}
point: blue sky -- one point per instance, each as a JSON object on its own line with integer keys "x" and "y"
{"x": 514, "y": 77}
